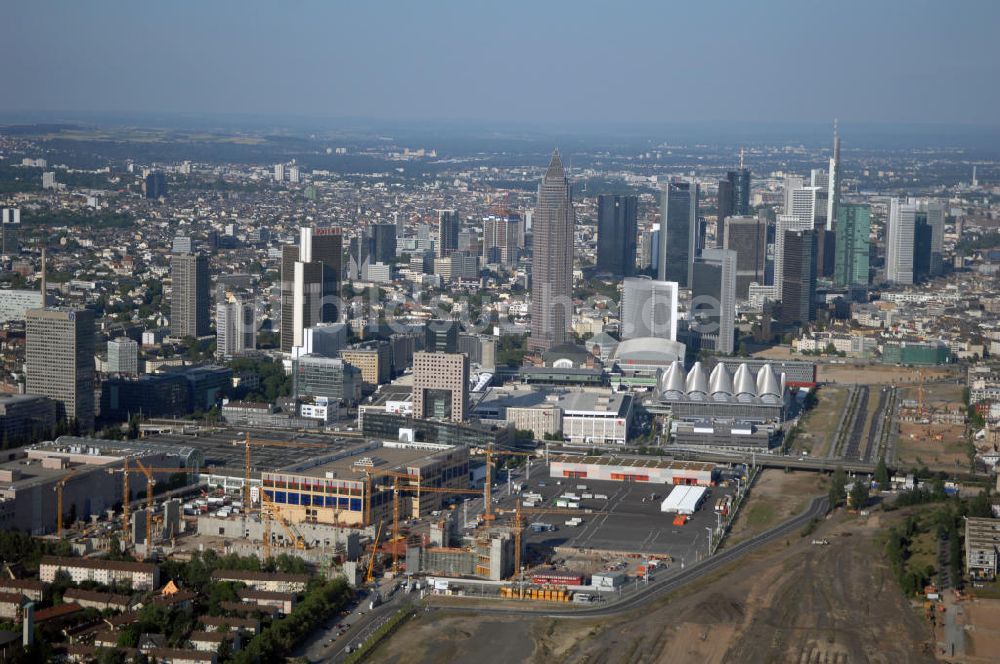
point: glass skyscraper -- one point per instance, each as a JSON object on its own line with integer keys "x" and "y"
{"x": 678, "y": 232}
{"x": 852, "y": 246}
{"x": 616, "y": 234}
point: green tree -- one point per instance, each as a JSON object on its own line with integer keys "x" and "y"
{"x": 882, "y": 474}
{"x": 838, "y": 487}
{"x": 133, "y": 426}
{"x": 223, "y": 591}
{"x": 859, "y": 494}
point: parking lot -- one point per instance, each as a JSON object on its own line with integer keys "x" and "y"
{"x": 629, "y": 521}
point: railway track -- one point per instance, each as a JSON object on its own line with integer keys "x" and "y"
{"x": 856, "y": 426}
{"x": 874, "y": 441}
{"x": 888, "y": 428}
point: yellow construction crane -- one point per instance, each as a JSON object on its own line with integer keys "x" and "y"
{"x": 149, "y": 472}
{"x": 150, "y": 483}
{"x": 518, "y": 511}
{"x": 59, "y": 501}
{"x": 490, "y": 453}
{"x": 369, "y": 487}
{"x": 371, "y": 561}
{"x": 270, "y": 510}
{"x": 418, "y": 489}
{"x": 248, "y": 441}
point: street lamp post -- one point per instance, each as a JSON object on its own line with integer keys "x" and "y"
{"x": 709, "y": 529}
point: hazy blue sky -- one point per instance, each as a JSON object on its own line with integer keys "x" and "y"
{"x": 540, "y": 61}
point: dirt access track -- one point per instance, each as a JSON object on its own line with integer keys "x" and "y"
{"x": 791, "y": 601}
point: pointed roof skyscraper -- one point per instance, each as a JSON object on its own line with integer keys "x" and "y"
{"x": 555, "y": 169}
{"x": 552, "y": 259}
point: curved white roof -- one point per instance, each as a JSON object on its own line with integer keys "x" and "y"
{"x": 743, "y": 384}
{"x": 720, "y": 382}
{"x": 673, "y": 380}
{"x": 767, "y": 382}
{"x": 697, "y": 381}
{"x": 650, "y": 348}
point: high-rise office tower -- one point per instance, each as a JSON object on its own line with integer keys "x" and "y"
{"x": 400, "y": 221}
{"x": 747, "y": 236}
{"x": 552, "y": 260}
{"x": 190, "y": 298}
{"x": 922, "y": 237}
{"x": 383, "y": 243}
{"x": 448, "y": 227}
{"x": 713, "y": 299}
{"x": 289, "y": 256}
{"x": 310, "y": 283}
{"x": 853, "y": 242}
{"x": 617, "y": 227}
{"x": 935, "y": 217}
{"x": 182, "y": 244}
{"x": 645, "y": 245}
{"x": 294, "y": 176}
{"x": 809, "y": 205}
{"x": 441, "y": 385}
{"x": 740, "y": 180}
{"x": 833, "y": 189}
{"x": 821, "y": 179}
{"x": 724, "y": 205}
{"x": 502, "y": 238}
{"x": 791, "y": 184}
{"x": 649, "y": 308}
{"x": 359, "y": 257}
{"x": 785, "y": 223}
{"x": 279, "y": 172}
{"x": 235, "y": 327}
{"x": 734, "y": 198}
{"x": 679, "y": 232}
{"x": 798, "y": 282}
{"x": 123, "y": 356}
{"x": 900, "y": 237}
{"x": 11, "y": 226}
{"x": 441, "y": 336}
{"x": 59, "y": 361}
{"x": 155, "y": 185}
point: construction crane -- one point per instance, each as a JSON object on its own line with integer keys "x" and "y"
{"x": 518, "y": 513}
{"x": 418, "y": 489}
{"x": 396, "y": 476}
{"x": 270, "y": 510}
{"x": 248, "y": 441}
{"x": 371, "y": 561}
{"x": 369, "y": 488}
{"x": 149, "y": 472}
{"x": 150, "y": 483}
{"x": 490, "y": 453}
{"x": 60, "y": 485}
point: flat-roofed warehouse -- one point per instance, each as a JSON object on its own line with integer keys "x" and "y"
{"x": 29, "y": 477}
{"x": 334, "y": 488}
{"x": 632, "y": 469}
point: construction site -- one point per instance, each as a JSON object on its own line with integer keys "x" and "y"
{"x": 372, "y": 508}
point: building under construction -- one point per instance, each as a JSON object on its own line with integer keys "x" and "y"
{"x": 490, "y": 555}
{"x": 355, "y": 486}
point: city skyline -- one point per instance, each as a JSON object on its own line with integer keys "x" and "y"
{"x": 570, "y": 312}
